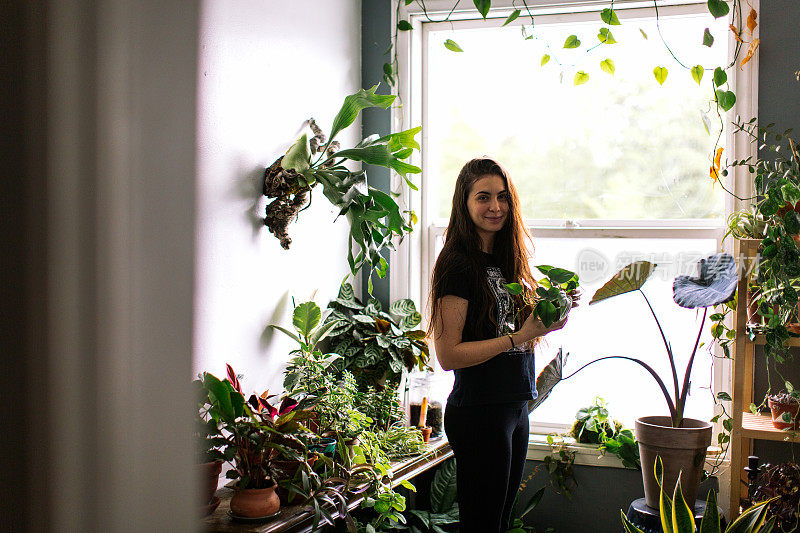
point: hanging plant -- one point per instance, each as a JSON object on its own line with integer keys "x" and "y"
{"x": 375, "y": 218}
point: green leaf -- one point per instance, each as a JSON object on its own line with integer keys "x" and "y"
{"x": 719, "y": 76}
{"x": 643, "y": 33}
{"x": 708, "y": 39}
{"x": 791, "y": 221}
{"x": 724, "y": 396}
{"x": 286, "y": 331}
{"x": 545, "y": 59}
{"x": 404, "y": 307}
{"x": 354, "y": 103}
{"x": 297, "y": 157}
{"x": 630, "y": 278}
{"x": 580, "y": 78}
{"x": 443, "y": 487}
{"x": 514, "y": 288}
{"x": 560, "y": 275}
{"x": 605, "y": 36}
{"x": 512, "y": 17}
{"x": 404, "y": 25}
{"x": 791, "y": 193}
{"x": 609, "y": 17}
{"x": 629, "y": 527}
{"x": 451, "y": 45}
{"x": 682, "y": 514}
{"x": 697, "y": 73}
{"x": 607, "y": 65}
{"x": 306, "y": 317}
{"x": 407, "y": 484}
{"x": 718, "y": 8}
{"x": 378, "y": 154}
{"x": 725, "y": 99}
{"x": 401, "y": 139}
{"x": 661, "y": 74}
{"x": 572, "y": 42}
{"x": 483, "y": 6}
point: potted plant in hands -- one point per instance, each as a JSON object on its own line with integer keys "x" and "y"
{"x": 681, "y": 442}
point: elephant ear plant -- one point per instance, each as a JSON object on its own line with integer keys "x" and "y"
{"x": 715, "y": 284}
{"x": 375, "y": 218}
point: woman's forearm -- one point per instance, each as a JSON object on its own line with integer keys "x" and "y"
{"x": 466, "y": 354}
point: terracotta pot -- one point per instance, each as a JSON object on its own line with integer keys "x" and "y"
{"x": 682, "y": 451}
{"x": 255, "y": 503}
{"x": 426, "y": 433}
{"x": 778, "y": 408}
{"x": 209, "y": 477}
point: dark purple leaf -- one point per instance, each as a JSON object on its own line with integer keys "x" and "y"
{"x": 287, "y": 405}
{"x": 715, "y": 284}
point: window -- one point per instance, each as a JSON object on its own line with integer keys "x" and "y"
{"x": 608, "y": 172}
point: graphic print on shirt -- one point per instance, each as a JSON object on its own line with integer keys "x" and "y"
{"x": 505, "y": 304}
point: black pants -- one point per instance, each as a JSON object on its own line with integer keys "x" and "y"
{"x": 490, "y": 443}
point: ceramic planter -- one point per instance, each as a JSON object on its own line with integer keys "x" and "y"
{"x": 255, "y": 503}
{"x": 681, "y": 449}
{"x": 779, "y": 408}
{"x": 209, "y": 476}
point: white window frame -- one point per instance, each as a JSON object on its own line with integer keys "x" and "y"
{"x": 411, "y": 261}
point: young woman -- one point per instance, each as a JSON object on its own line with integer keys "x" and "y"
{"x": 480, "y": 335}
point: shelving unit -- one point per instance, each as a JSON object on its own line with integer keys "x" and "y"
{"x": 747, "y": 427}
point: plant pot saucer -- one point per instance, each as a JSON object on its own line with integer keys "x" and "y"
{"x": 211, "y": 506}
{"x": 251, "y": 520}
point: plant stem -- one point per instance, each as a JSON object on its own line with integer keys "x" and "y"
{"x": 672, "y": 411}
{"x": 666, "y": 345}
{"x": 681, "y": 403}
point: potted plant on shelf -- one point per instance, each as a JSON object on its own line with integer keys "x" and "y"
{"x": 681, "y": 442}
{"x": 375, "y": 345}
{"x": 784, "y": 407}
{"x": 255, "y": 432}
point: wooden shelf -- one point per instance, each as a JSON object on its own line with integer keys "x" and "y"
{"x": 761, "y": 340}
{"x": 295, "y": 518}
{"x": 760, "y": 427}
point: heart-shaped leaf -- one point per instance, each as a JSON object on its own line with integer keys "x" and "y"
{"x": 720, "y": 76}
{"x": 607, "y": 65}
{"x": 661, "y": 74}
{"x": 630, "y": 278}
{"x": 483, "y": 6}
{"x": 718, "y": 8}
{"x": 404, "y": 25}
{"x": 697, "y": 73}
{"x": 512, "y": 17}
{"x": 545, "y": 59}
{"x": 725, "y": 99}
{"x": 572, "y": 42}
{"x": 605, "y": 36}
{"x": 609, "y": 17}
{"x": 451, "y": 45}
{"x": 708, "y": 39}
{"x": 580, "y": 78}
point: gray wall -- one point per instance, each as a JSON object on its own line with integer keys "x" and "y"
{"x": 779, "y": 102}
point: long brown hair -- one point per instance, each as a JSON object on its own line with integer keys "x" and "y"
{"x": 462, "y": 245}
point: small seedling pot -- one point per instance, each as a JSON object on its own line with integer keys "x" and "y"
{"x": 784, "y": 414}
{"x": 426, "y": 433}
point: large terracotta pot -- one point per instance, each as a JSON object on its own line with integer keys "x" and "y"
{"x": 255, "y": 503}
{"x": 681, "y": 449}
{"x": 209, "y": 476}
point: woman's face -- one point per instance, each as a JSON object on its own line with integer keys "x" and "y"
{"x": 487, "y": 203}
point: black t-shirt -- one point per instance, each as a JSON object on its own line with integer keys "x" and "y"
{"x": 506, "y": 377}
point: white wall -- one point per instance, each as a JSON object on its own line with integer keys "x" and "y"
{"x": 264, "y": 68}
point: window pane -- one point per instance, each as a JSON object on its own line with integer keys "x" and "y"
{"x": 624, "y": 326}
{"x": 617, "y": 147}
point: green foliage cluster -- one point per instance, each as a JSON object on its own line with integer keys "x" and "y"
{"x": 594, "y": 425}
{"x": 373, "y": 344}
{"x": 553, "y": 300}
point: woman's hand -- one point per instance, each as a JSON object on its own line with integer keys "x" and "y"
{"x": 575, "y": 294}
{"x": 533, "y": 328}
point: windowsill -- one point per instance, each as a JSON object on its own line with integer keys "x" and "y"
{"x": 585, "y": 454}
